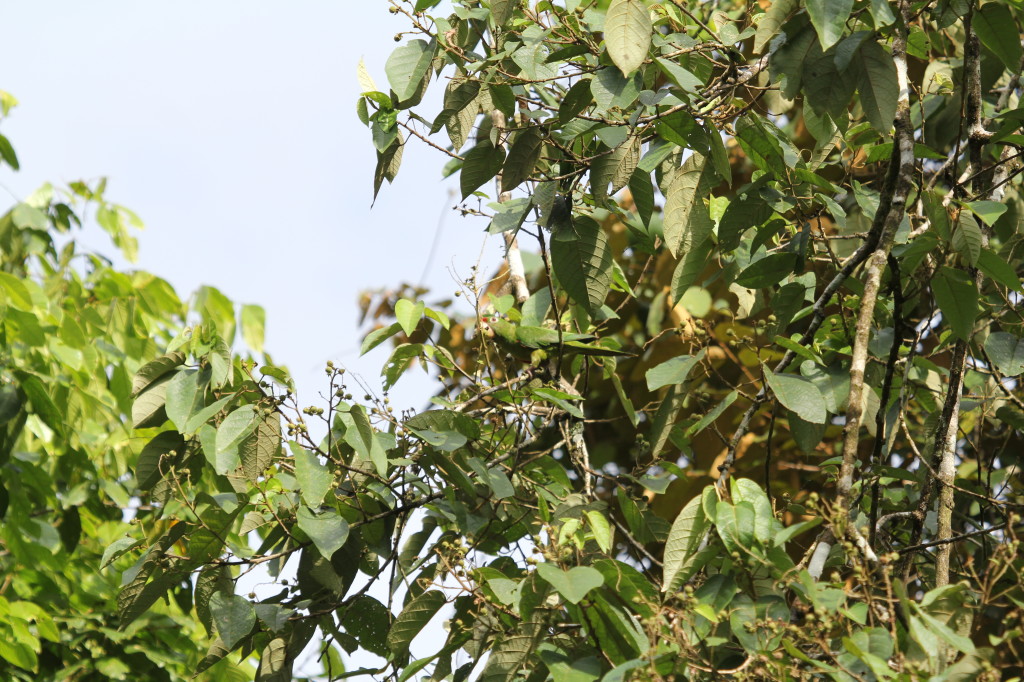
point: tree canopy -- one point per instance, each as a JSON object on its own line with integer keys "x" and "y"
{"x": 742, "y": 399}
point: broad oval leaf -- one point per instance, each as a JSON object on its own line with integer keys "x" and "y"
{"x": 407, "y": 67}
{"x": 684, "y": 540}
{"x": 573, "y": 584}
{"x": 328, "y": 530}
{"x": 799, "y": 395}
{"x": 582, "y": 262}
{"x": 234, "y": 617}
{"x": 1006, "y": 351}
{"x": 627, "y": 34}
{"x": 413, "y": 618}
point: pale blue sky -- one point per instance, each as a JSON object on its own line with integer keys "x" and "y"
{"x": 230, "y": 128}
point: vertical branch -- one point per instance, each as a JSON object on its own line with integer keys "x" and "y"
{"x": 898, "y": 185}
{"x": 944, "y": 457}
{"x": 514, "y": 258}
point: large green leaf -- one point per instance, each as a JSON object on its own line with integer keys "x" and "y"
{"x": 771, "y": 20}
{"x": 829, "y": 19}
{"x": 673, "y": 371}
{"x": 407, "y": 68}
{"x": 313, "y": 477}
{"x": 522, "y": 157}
{"x": 687, "y": 220}
{"x": 957, "y": 298}
{"x": 232, "y": 432}
{"x": 413, "y": 618}
{"x": 574, "y": 584}
{"x": 481, "y": 164}
{"x": 877, "y": 85}
{"x": 799, "y": 395}
{"x": 684, "y": 541}
{"x": 1006, "y": 352}
{"x": 616, "y": 167}
{"x": 327, "y": 529}
{"x": 627, "y": 34}
{"x": 581, "y": 261}
{"x": 997, "y": 30}
{"x": 234, "y": 617}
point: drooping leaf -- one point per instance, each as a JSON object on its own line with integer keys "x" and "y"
{"x": 877, "y": 84}
{"x": 581, "y": 261}
{"x": 412, "y": 620}
{"x": 482, "y": 163}
{"x": 957, "y": 298}
{"x": 234, "y": 617}
{"x": 1006, "y": 351}
{"x": 997, "y": 30}
{"x": 573, "y": 584}
{"x": 673, "y": 371}
{"x": 687, "y": 221}
{"x": 627, "y": 34}
{"x": 799, "y": 395}
{"x": 522, "y": 157}
{"x": 407, "y": 67}
{"x": 409, "y": 314}
{"x": 327, "y": 529}
{"x": 313, "y": 477}
{"x": 829, "y": 19}
{"x": 683, "y": 543}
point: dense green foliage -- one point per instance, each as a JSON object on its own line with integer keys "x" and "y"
{"x": 752, "y": 407}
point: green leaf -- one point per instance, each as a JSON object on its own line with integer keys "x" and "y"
{"x": 379, "y": 336}
{"x": 510, "y": 215}
{"x": 771, "y": 20}
{"x": 687, "y": 220}
{"x": 877, "y": 85}
{"x": 627, "y": 34}
{"x": 409, "y": 314}
{"x": 183, "y": 398}
{"x": 767, "y": 271}
{"x": 988, "y": 211}
{"x": 1006, "y": 352}
{"x": 231, "y": 433}
{"x": 967, "y": 238}
{"x": 799, "y": 395}
{"x": 997, "y": 269}
{"x": 501, "y": 11}
{"x": 673, "y": 371}
{"x": 254, "y": 320}
{"x": 829, "y": 19}
{"x": 407, "y": 68}
{"x": 313, "y": 477}
{"x": 328, "y": 530}
{"x": 576, "y": 99}
{"x": 611, "y": 90}
{"x": 957, "y": 298}
{"x": 8, "y": 154}
{"x": 679, "y": 75}
{"x": 601, "y": 529}
{"x": 482, "y": 163}
{"x": 388, "y": 163}
{"x": 573, "y": 584}
{"x": 413, "y": 618}
{"x": 581, "y": 261}
{"x": 234, "y": 617}
{"x": 997, "y": 30}
{"x": 522, "y": 157}
{"x": 368, "y": 621}
{"x": 616, "y": 167}
{"x": 746, "y": 490}
{"x": 41, "y": 402}
{"x": 157, "y": 457}
{"x": 684, "y": 540}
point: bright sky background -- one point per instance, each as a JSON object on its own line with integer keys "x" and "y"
{"x": 230, "y": 128}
